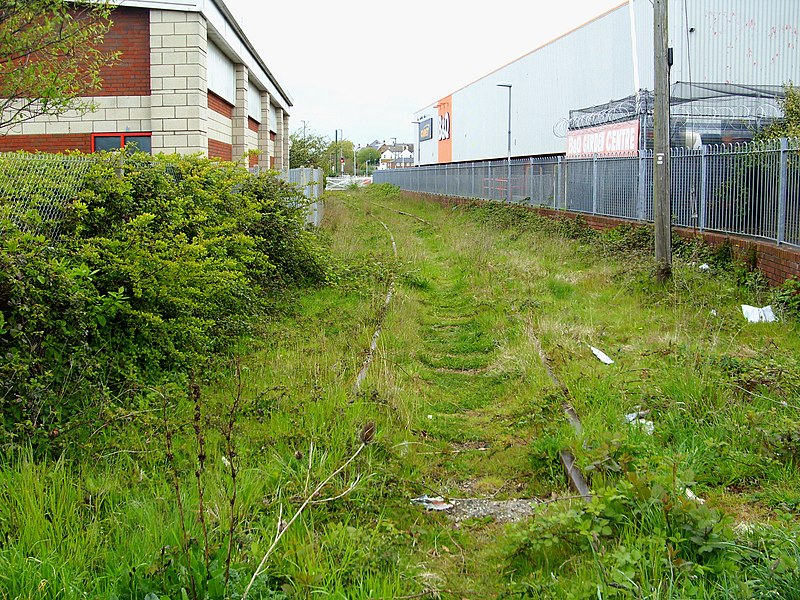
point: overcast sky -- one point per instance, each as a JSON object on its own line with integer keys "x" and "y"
{"x": 365, "y": 67}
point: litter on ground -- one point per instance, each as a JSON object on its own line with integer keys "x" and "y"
{"x": 601, "y": 355}
{"x": 692, "y": 496}
{"x": 758, "y": 315}
{"x": 432, "y": 502}
{"x": 637, "y": 419}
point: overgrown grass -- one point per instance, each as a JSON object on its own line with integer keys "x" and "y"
{"x": 463, "y": 407}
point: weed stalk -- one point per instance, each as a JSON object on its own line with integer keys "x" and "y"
{"x": 176, "y": 485}
{"x": 365, "y": 439}
{"x": 194, "y": 391}
{"x": 230, "y": 449}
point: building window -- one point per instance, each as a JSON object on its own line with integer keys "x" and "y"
{"x": 104, "y": 142}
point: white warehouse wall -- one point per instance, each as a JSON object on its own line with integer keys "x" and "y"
{"x": 752, "y": 42}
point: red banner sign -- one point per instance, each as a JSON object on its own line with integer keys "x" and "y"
{"x": 617, "y": 139}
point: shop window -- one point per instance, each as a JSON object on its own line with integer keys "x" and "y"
{"x": 104, "y": 142}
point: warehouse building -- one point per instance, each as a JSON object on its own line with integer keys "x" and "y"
{"x": 188, "y": 81}
{"x": 589, "y": 92}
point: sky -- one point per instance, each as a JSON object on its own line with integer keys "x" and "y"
{"x": 364, "y": 67}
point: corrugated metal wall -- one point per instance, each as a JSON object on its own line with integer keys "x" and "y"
{"x": 751, "y": 42}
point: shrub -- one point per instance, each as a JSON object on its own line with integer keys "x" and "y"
{"x": 787, "y": 297}
{"x": 159, "y": 268}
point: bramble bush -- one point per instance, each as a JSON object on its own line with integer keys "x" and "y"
{"x": 158, "y": 269}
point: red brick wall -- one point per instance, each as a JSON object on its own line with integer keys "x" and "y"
{"x": 253, "y": 160}
{"x": 220, "y": 105}
{"x": 130, "y": 35}
{"x": 778, "y": 263}
{"x": 252, "y": 124}
{"x": 217, "y": 149}
{"x": 46, "y": 143}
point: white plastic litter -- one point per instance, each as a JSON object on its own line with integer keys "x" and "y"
{"x": 704, "y": 267}
{"x": 713, "y": 312}
{"x": 758, "y": 315}
{"x": 636, "y": 419}
{"x": 693, "y": 497}
{"x": 647, "y": 426}
{"x": 432, "y": 502}
{"x": 601, "y": 355}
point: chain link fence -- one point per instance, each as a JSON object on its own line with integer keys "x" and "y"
{"x": 35, "y": 188}
{"x": 748, "y": 189}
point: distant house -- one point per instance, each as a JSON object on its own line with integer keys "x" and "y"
{"x": 396, "y": 156}
{"x": 188, "y": 81}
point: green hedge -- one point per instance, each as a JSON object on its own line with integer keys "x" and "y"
{"x": 159, "y": 267}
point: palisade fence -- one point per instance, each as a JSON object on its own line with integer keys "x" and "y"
{"x": 312, "y": 183}
{"x": 744, "y": 189}
{"x": 35, "y": 188}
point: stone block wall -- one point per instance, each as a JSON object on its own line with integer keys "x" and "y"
{"x": 179, "y": 101}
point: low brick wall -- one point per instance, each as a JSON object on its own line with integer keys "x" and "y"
{"x": 778, "y": 263}
{"x": 46, "y": 143}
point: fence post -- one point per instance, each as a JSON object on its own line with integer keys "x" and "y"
{"x": 642, "y": 189}
{"x": 541, "y": 184}
{"x": 530, "y": 176}
{"x": 594, "y": 184}
{"x": 783, "y": 188}
{"x": 491, "y": 183}
{"x": 472, "y": 178}
{"x": 703, "y": 187}
{"x": 561, "y": 200}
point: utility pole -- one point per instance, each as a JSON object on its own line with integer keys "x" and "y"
{"x": 662, "y": 212}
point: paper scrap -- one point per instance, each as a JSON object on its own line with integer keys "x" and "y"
{"x": 601, "y": 355}
{"x": 758, "y": 315}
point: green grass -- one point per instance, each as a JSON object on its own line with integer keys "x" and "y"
{"x": 462, "y": 406}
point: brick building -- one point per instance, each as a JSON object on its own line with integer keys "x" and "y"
{"x": 188, "y": 81}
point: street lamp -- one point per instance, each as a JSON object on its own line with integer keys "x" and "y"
{"x": 355, "y": 171}
{"x": 508, "y": 182}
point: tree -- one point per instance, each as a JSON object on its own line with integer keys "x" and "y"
{"x": 368, "y": 154}
{"x": 50, "y": 56}
{"x": 308, "y": 151}
{"x": 789, "y": 126}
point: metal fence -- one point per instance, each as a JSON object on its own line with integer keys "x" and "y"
{"x": 35, "y": 188}
{"x": 748, "y": 189}
{"x": 312, "y": 183}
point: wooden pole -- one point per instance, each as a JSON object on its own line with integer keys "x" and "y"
{"x": 662, "y": 212}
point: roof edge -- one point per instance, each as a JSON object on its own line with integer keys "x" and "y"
{"x": 248, "y": 44}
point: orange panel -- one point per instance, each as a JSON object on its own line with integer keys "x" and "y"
{"x": 445, "y": 106}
